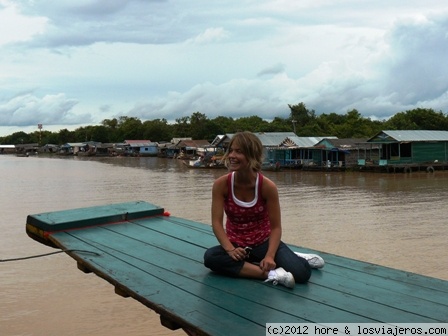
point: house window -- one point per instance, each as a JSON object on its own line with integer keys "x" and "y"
{"x": 405, "y": 149}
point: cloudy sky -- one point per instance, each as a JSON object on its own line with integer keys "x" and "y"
{"x": 69, "y": 63}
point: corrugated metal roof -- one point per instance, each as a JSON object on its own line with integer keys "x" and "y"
{"x": 412, "y": 135}
{"x": 139, "y": 143}
{"x": 346, "y": 143}
{"x": 74, "y": 144}
{"x": 143, "y": 144}
{"x": 308, "y": 141}
{"x": 273, "y": 138}
{"x": 193, "y": 143}
{"x": 217, "y": 139}
{"x": 276, "y": 139}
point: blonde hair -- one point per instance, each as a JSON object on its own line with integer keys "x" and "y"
{"x": 250, "y": 146}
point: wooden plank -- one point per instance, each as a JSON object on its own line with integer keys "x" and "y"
{"x": 254, "y": 291}
{"x": 366, "y": 274}
{"x": 348, "y": 300}
{"x": 388, "y": 285}
{"x": 149, "y": 285}
{"x": 97, "y": 215}
{"x": 379, "y": 290}
{"x": 158, "y": 260}
{"x": 385, "y": 272}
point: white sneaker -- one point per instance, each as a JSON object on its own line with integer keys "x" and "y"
{"x": 314, "y": 260}
{"x": 280, "y": 276}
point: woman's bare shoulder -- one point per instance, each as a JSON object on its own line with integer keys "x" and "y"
{"x": 269, "y": 187}
{"x": 267, "y": 181}
{"x": 220, "y": 186}
{"x": 222, "y": 180}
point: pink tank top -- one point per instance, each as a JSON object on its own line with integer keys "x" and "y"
{"x": 247, "y": 222}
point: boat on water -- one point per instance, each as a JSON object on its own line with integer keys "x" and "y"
{"x": 271, "y": 166}
{"x": 201, "y": 164}
{"x": 209, "y": 161}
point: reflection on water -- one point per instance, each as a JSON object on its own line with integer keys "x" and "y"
{"x": 396, "y": 220}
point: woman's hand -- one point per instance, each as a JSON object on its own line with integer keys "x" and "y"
{"x": 238, "y": 253}
{"x": 267, "y": 264}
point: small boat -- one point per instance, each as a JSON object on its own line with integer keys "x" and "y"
{"x": 23, "y": 154}
{"x": 209, "y": 161}
{"x": 271, "y": 166}
{"x": 200, "y": 164}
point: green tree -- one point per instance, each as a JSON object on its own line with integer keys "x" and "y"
{"x": 400, "y": 121}
{"x": 18, "y": 138}
{"x": 99, "y": 134}
{"x": 65, "y": 136}
{"x": 50, "y": 138}
{"x": 157, "y": 130}
{"x": 224, "y": 124}
{"x": 352, "y": 126}
{"x": 110, "y": 123}
{"x": 418, "y": 119}
{"x": 182, "y": 127}
{"x": 111, "y": 126}
{"x": 130, "y": 128}
{"x": 281, "y": 125}
{"x": 252, "y": 124}
{"x": 199, "y": 124}
{"x": 301, "y": 115}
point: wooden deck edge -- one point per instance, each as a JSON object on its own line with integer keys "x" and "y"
{"x": 40, "y": 226}
{"x": 91, "y": 216}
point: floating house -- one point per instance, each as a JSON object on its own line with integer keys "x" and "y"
{"x": 71, "y": 148}
{"x": 285, "y": 148}
{"x": 290, "y": 150}
{"x": 141, "y": 148}
{"x": 8, "y": 149}
{"x": 341, "y": 153}
{"x": 189, "y": 149}
{"x": 408, "y": 150}
{"x": 49, "y": 148}
{"x": 27, "y": 149}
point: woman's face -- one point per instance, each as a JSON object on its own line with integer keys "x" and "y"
{"x": 237, "y": 159}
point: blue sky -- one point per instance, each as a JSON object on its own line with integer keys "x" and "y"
{"x": 65, "y": 63}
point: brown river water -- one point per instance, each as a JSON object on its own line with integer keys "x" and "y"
{"x": 396, "y": 220}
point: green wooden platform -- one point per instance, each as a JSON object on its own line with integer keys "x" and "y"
{"x": 157, "y": 260}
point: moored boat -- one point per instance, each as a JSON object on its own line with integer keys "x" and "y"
{"x": 200, "y": 164}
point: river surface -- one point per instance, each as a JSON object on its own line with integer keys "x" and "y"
{"x": 395, "y": 220}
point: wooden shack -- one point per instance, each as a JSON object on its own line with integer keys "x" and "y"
{"x": 410, "y": 150}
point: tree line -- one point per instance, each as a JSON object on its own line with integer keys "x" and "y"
{"x": 302, "y": 121}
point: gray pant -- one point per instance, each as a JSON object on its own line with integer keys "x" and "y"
{"x": 218, "y": 260}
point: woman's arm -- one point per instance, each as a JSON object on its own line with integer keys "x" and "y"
{"x": 219, "y": 192}
{"x": 270, "y": 194}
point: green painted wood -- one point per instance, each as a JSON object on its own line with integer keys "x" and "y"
{"x": 171, "y": 255}
{"x": 97, "y": 215}
{"x": 385, "y": 272}
{"x": 158, "y": 260}
{"x": 168, "y": 292}
{"x": 192, "y": 267}
{"x": 403, "y": 298}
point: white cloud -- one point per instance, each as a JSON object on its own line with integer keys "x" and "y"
{"x": 15, "y": 27}
{"x": 27, "y": 109}
{"x": 272, "y": 70}
{"x": 78, "y": 62}
{"x": 210, "y": 35}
